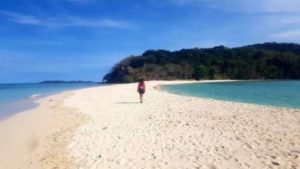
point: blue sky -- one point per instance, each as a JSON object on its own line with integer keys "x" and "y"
{"x": 83, "y": 39}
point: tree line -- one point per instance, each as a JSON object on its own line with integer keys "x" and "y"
{"x": 258, "y": 61}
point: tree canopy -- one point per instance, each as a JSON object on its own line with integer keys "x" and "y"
{"x": 258, "y": 61}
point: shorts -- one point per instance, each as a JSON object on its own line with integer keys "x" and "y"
{"x": 141, "y": 91}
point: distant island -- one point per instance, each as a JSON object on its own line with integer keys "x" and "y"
{"x": 258, "y": 61}
{"x": 61, "y": 81}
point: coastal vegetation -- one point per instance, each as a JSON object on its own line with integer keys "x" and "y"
{"x": 258, "y": 61}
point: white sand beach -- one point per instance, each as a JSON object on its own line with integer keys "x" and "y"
{"x": 106, "y": 127}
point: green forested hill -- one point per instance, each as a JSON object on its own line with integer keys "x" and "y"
{"x": 258, "y": 61}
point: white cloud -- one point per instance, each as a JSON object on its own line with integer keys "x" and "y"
{"x": 289, "y": 35}
{"x": 23, "y": 19}
{"x": 67, "y": 21}
{"x": 80, "y": 1}
{"x": 245, "y": 5}
{"x": 290, "y": 20}
{"x": 108, "y": 23}
{"x": 281, "y": 5}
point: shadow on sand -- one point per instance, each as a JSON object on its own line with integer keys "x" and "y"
{"x": 128, "y": 103}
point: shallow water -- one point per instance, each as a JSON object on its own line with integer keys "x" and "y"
{"x": 280, "y": 93}
{"x": 17, "y": 97}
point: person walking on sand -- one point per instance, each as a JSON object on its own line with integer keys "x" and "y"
{"x": 141, "y": 89}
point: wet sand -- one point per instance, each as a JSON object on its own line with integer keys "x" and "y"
{"x": 37, "y": 138}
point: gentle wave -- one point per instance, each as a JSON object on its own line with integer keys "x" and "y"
{"x": 34, "y": 96}
{"x": 14, "y": 93}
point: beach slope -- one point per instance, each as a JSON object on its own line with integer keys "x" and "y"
{"x": 37, "y": 138}
{"x": 107, "y": 127}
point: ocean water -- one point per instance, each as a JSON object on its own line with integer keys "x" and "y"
{"x": 273, "y": 93}
{"x": 16, "y": 97}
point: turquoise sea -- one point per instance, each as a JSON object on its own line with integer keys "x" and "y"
{"x": 16, "y": 97}
{"x": 279, "y": 93}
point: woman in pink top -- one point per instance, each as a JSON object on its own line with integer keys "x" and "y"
{"x": 141, "y": 89}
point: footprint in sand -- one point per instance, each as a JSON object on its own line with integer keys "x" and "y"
{"x": 32, "y": 143}
{"x": 275, "y": 163}
{"x": 211, "y": 166}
